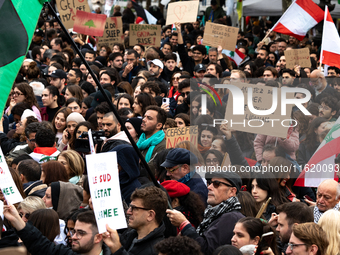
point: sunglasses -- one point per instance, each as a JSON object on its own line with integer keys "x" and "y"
{"x": 216, "y": 184}
{"x": 27, "y": 215}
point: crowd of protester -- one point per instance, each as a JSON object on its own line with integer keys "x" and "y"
{"x": 55, "y": 103}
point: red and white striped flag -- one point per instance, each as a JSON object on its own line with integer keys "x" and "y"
{"x": 330, "y": 47}
{"x": 236, "y": 56}
{"x": 301, "y": 16}
{"x": 321, "y": 166}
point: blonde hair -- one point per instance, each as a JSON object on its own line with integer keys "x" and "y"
{"x": 330, "y": 223}
{"x": 31, "y": 204}
{"x": 75, "y": 162}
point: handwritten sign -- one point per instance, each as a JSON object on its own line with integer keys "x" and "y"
{"x": 68, "y": 8}
{"x": 89, "y": 23}
{"x": 105, "y": 190}
{"x": 215, "y": 35}
{"x": 180, "y": 134}
{"x": 113, "y": 32}
{"x": 183, "y": 12}
{"x": 7, "y": 185}
{"x": 298, "y": 57}
{"x": 274, "y": 124}
{"x": 145, "y": 35}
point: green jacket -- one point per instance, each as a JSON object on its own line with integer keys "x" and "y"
{"x": 218, "y": 13}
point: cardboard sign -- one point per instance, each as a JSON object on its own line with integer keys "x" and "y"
{"x": 262, "y": 99}
{"x": 68, "y": 8}
{"x": 299, "y": 57}
{"x": 105, "y": 190}
{"x": 145, "y": 35}
{"x": 7, "y": 185}
{"x": 215, "y": 35}
{"x": 89, "y": 23}
{"x": 183, "y": 12}
{"x": 180, "y": 134}
{"x": 113, "y": 32}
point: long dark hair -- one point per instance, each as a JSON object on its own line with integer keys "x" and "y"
{"x": 47, "y": 221}
{"x": 27, "y": 90}
{"x": 144, "y": 100}
{"x": 311, "y": 136}
{"x": 55, "y": 92}
{"x": 73, "y": 138}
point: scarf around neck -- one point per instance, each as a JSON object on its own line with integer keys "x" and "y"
{"x": 150, "y": 143}
{"x": 212, "y": 213}
{"x": 318, "y": 213}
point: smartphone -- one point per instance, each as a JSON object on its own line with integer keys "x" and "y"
{"x": 308, "y": 198}
{"x": 166, "y": 100}
{"x": 266, "y": 240}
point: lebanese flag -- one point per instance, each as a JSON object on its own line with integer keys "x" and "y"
{"x": 89, "y": 23}
{"x": 236, "y": 56}
{"x": 330, "y": 47}
{"x": 301, "y": 16}
{"x": 321, "y": 166}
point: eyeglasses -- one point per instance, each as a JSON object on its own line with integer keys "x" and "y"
{"x": 292, "y": 245}
{"x": 214, "y": 160}
{"x": 31, "y": 140}
{"x": 175, "y": 79}
{"x": 218, "y": 183}
{"x": 27, "y": 215}
{"x": 17, "y": 94}
{"x": 183, "y": 94}
{"x": 133, "y": 207}
{"x": 323, "y": 107}
{"x": 79, "y": 233}
{"x": 102, "y": 50}
{"x": 172, "y": 170}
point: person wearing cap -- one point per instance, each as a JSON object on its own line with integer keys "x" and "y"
{"x": 131, "y": 69}
{"x": 199, "y": 71}
{"x": 72, "y": 121}
{"x": 58, "y": 79}
{"x": 214, "y": 12}
{"x": 221, "y": 215}
{"x": 180, "y": 166}
{"x": 37, "y": 38}
{"x": 156, "y": 68}
{"x": 185, "y": 201}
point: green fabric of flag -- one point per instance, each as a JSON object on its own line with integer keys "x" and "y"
{"x": 18, "y": 19}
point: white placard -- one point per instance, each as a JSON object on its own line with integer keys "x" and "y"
{"x": 7, "y": 185}
{"x": 102, "y": 170}
{"x": 91, "y": 142}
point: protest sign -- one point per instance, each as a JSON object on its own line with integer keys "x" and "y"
{"x": 113, "y": 32}
{"x": 145, "y": 35}
{"x": 103, "y": 178}
{"x": 262, "y": 99}
{"x": 215, "y": 35}
{"x": 299, "y": 57}
{"x": 7, "y": 185}
{"x": 183, "y": 12}
{"x": 180, "y": 134}
{"x": 68, "y": 8}
{"x": 89, "y": 23}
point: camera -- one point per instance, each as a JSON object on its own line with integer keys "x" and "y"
{"x": 82, "y": 143}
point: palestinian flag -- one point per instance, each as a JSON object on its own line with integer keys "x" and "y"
{"x": 18, "y": 19}
{"x": 236, "y": 56}
{"x": 321, "y": 166}
{"x": 144, "y": 14}
{"x": 89, "y": 23}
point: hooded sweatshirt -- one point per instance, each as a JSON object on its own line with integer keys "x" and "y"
{"x": 128, "y": 160}
{"x": 66, "y": 198}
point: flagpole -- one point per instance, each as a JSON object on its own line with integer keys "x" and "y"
{"x": 323, "y": 34}
{"x": 108, "y": 100}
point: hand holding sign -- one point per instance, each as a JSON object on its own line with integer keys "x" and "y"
{"x": 182, "y": 12}
{"x": 111, "y": 239}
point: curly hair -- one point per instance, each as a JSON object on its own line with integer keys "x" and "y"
{"x": 178, "y": 245}
{"x": 27, "y": 90}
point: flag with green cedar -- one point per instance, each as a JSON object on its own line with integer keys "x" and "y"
{"x": 18, "y": 19}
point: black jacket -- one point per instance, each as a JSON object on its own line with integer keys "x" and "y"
{"x": 8, "y": 144}
{"x": 133, "y": 73}
{"x": 144, "y": 246}
{"x": 36, "y": 243}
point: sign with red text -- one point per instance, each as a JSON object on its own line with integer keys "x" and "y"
{"x": 298, "y": 57}
{"x": 182, "y": 12}
{"x": 68, "y": 9}
{"x": 102, "y": 170}
{"x": 89, "y": 23}
{"x": 113, "y": 33}
{"x": 7, "y": 185}
{"x": 216, "y": 34}
{"x": 180, "y": 134}
{"x": 145, "y": 35}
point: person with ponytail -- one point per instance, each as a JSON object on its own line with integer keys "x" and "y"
{"x": 50, "y": 99}
{"x": 250, "y": 231}
{"x": 33, "y": 72}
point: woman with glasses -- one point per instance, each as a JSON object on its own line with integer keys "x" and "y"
{"x": 104, "y": 51}
{"x": 29, "y": 205}
{"x": 213, "y": 158}
{"x": 173, "y": 92}
{"x": 23, "y": 92}
{"x": 253, "y": 231}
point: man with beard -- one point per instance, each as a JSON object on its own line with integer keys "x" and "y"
{"x": 156, "y": 69}
{"x": 319, "y": 82}
{"x": 132, "y": 67}
{"x": 85, "y": 236}
{"x": 288, "y": 78}
{"x": 288, "y": 215}
{"x": 116, "y": 60}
